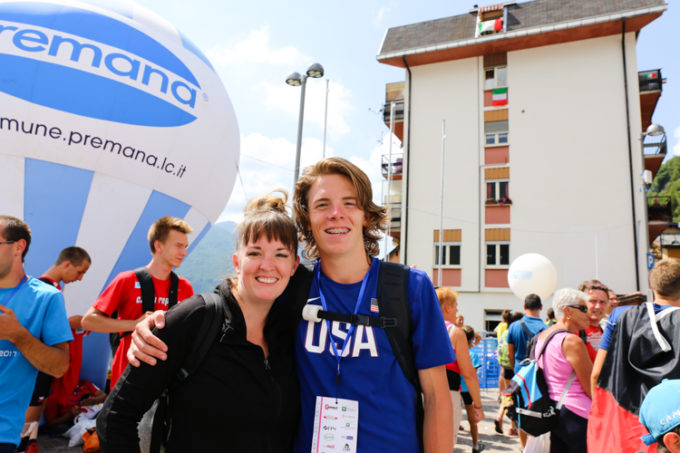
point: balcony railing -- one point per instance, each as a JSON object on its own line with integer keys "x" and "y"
{"x": 394, "y": 168}
{"x": 650, "y": 80}
{"x": 398, "y": 111}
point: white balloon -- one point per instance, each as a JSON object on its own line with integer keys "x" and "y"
{"x": 532, "y": 273}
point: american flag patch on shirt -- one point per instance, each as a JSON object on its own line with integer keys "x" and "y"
{"x": 374, "y": 306}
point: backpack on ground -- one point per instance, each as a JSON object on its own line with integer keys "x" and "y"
{"x": 536, "y": 412}
{"x": 148, "y": 300}
{"x": 154, "y": 428}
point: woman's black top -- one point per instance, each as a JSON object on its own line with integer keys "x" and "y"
{"x": 235, "y": 401}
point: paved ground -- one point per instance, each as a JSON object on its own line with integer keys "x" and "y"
{"x": 494, "y": 442}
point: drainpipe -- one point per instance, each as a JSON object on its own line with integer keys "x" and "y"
{"x": 403, "y": 244}
{"x": 630, "y": 153}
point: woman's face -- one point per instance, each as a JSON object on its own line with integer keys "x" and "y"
{"x": 460, "y": 320}
{"x": 264, "y": 268}
{"x": 576, "y": 316}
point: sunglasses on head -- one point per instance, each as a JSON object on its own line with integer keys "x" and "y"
{"x": 582, "y": 308}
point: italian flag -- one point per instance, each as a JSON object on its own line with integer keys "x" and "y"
{"x": 499, "y": 96}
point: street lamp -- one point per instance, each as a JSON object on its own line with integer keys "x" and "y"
{"x": 295, "y": 79}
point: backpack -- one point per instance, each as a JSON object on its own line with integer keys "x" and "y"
{"x": 148, "y": 300}
{"x": 536, "y": 412}
{"x": 154, "y": 427}
{"x": 530, "y": 341}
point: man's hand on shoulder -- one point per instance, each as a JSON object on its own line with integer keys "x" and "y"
{"x": 145, "y": 346}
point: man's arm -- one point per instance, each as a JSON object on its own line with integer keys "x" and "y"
{"x": 52, "y": 360}
{"x": 98, "y": 321}
{"x": 438, "y": 421}
{"x": 597, "y": 369}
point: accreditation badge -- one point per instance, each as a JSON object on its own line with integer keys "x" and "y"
{"x": 336, "y": 423}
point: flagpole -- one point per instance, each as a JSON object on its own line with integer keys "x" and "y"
{"x": 441, "y": 208}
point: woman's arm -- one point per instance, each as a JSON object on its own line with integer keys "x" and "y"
{"x": 137, "y": 388}
{"x": 460, "y": 345}
{"x": 576, "y": 353}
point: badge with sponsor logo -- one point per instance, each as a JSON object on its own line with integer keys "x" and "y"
{"x": 336, "y": 423}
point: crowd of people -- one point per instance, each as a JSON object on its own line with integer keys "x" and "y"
{"x": 323, "y": 359}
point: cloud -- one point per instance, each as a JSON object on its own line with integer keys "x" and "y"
{"x": 381, "y": 14}
{"x": 281, "y": 97}
{"x": 267, "y": 164}
{"x": 255, "y": 49}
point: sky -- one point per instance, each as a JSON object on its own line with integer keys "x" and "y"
{"x": 255, "y": 45}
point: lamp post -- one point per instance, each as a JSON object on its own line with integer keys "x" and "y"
{"x": 295, "y": 79}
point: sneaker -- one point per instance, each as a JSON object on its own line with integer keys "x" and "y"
{"x": 497, "y": 426}
{"x": 480, "y": 446}
{"x": 32, "y": 446}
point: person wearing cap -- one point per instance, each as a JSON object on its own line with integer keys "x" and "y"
{"x": 660, "y": 413}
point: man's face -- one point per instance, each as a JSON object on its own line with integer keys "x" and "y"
{"x": 75, "y": 273}
{"x": 335, "y": 217}
{"x": 7, "y": 254}
{"x": 174, "y": 249}
{"x": 597, "y": 303}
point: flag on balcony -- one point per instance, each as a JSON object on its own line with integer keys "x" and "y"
{"x": 499, "y": 96}
{"x": 488, "y": 26}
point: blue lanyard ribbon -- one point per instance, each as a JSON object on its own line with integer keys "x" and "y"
{"x": 328, "y": 323}
{"x": 16, "y": 288}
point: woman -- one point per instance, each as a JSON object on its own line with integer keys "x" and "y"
{"x": 465, "y": 392}
{"x": 566, "y": 354}
{"x": 448, "y": 301}
{"x": 244, "y": 395}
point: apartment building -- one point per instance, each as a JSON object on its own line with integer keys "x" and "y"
{"x": 522, "y": 128}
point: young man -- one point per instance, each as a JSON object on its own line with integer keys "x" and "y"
{"x": 354, "y": 366}
{"x": 519, "y": 334}
{"x": 639, "y": 347}
{"x": 71, "y": 266}
{"x": 34, "y": 331}
{"x": 598, "y": 307}
{"x": 168, "y": 243}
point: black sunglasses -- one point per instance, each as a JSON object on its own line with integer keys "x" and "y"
{"x": 583, "y": 308}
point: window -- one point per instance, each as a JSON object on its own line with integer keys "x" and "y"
{"x": 497, "y": 190}
{"x": 450, "y": 254}
{"x": 497, "y": 254}
{"x": 496, "y": 138}
{"x": 495, "y": 77}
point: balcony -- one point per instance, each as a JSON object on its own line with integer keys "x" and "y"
{"x": 659, "y": 214}
{"x": 392, "y": 170}
{"x": 651, "y": 85}
{"x": 654, "y": 150}
{"x": 394, "y": 94}
{"x": 394, "y": 210}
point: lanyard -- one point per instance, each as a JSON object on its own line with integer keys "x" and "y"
{"x": 328, "y": 323}
{"x": 16, "y": 288}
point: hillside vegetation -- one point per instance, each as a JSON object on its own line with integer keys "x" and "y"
{"x": 667, "y": 183}
{"x": 210, "y": 261}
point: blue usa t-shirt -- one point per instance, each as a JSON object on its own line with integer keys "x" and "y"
{"x": 370, "y": 372}
{"x": 39, "y": 307}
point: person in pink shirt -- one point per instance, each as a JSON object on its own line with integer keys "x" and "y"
{"x": 565, "y": 362}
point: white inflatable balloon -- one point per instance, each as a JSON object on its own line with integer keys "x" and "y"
{"x": 109, "y": 120}
{"x": 532, "y": 273}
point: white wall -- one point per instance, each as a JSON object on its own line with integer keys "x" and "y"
{"x": 570, "y": 182}
{"x": 447, "y": 91}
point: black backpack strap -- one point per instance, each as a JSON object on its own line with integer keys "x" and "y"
{"x": 216, "y": 320}
{"x": 393, "y": 302}
{"x": 526, "y": 329}
{"x": 547, "y": 340}
{"x": 172, "y": 294}
{"x": 147, "y": 289}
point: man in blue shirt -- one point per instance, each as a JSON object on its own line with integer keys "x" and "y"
{"x": 520, "y": 332}
{"x": 34, "y": 331}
